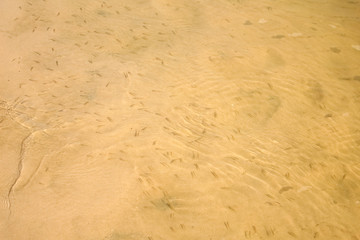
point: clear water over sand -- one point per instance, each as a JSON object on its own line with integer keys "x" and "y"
{"x": 167, "y": 120}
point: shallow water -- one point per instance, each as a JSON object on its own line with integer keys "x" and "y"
{"x": 206, "y": 120}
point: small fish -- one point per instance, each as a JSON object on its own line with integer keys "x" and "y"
{"x": 284, "y": 189}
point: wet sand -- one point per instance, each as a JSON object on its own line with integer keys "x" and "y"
{"x": 206, "y": 120}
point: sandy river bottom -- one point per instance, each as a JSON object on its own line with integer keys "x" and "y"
{"x": 169, "y": 120}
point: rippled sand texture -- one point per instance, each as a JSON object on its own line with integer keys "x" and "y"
{"x": 193, "y": 120}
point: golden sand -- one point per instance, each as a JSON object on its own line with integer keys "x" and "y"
{"x": 169, "y": 120}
